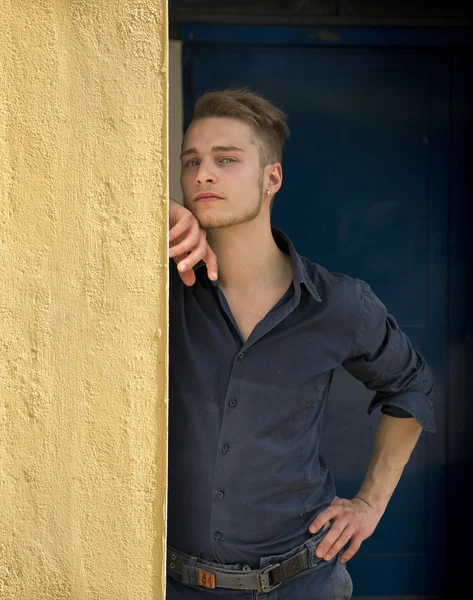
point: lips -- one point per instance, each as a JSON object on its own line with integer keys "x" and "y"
{"x": 207, "y": 197}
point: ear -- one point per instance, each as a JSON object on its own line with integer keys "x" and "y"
{"x": 273, "y": 177}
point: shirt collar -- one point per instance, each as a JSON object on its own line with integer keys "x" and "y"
{"x": 300, "y": 274}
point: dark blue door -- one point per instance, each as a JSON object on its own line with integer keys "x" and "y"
{"x": 365, "y": 192}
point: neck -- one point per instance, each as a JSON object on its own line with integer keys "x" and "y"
{"x": 248, "y": 257}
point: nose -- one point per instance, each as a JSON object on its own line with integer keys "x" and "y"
{"x": 204, "y": 174}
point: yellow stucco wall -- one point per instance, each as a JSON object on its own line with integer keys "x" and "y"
{"x": 83, "y": 299}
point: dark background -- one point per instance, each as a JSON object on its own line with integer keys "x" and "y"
{"x": 421, "y": 15}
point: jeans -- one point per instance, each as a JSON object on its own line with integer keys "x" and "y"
{"x": 323, "y": 580}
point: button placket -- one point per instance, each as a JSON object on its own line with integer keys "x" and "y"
{"x": 220, "y": 506}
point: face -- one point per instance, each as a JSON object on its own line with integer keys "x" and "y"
{"x": 221, "y": 174}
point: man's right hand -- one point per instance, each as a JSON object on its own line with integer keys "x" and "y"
{"x": 188, "y": 244}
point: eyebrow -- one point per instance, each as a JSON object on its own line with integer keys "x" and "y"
{"x": 214, "y": 149}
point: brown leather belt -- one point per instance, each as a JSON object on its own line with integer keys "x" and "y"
{"x": 264, "y": 580}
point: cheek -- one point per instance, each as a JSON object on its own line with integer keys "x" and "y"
{"x": 186, "y": 179}
{"x": 242, "y": 176}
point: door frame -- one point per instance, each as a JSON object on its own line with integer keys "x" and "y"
{"x": 456, "y": 43}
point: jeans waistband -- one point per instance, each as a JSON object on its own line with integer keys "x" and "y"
{"x": 273, "y": 570}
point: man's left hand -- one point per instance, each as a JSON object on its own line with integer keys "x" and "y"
{"x": 353, "y": 521}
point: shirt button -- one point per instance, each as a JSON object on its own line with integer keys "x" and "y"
{"x": 241, "y": 355}
{"x": 217, "y": 535}
{"x": 224, "y": 448}
{"x": 232, "y": 403}
{"x": 220, "y": 494}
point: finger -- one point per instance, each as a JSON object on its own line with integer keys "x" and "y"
{"x": 181, "y": 262}
{"x": 330, "y": 538}
{"x": 191, "y": 239}
{"x": 324, "y": 516}
{"x": 184, "y": 223}
{"x": 210, "y": 260}
{"x": 194, "y": 257}
{"x": 188, "y": 277}
{"x": 351, "y": 550}
{"x": 337, "y": 545}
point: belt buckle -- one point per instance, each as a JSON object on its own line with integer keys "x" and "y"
{"x": 264, "y": 581}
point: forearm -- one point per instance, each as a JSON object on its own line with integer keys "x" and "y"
{"x": 394, "y": 443}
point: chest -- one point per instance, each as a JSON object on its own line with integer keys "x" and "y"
{"x": 294, "y": 348}
{"x": 248, "y": 311}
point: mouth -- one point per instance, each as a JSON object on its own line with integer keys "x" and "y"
{"x": 207, "y": 197}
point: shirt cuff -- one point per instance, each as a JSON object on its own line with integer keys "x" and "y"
{"x": 418, "y": 405}
{"x": 395, "y": 411}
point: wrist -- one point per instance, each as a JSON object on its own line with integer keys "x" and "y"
{"x": 176, "y": 211}
{"x": 377, "y": 505}
{"x": 173, "y": 205}
{"x": 378, "y": 487}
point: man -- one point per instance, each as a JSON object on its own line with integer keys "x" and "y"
{"x": 255, "y": 333}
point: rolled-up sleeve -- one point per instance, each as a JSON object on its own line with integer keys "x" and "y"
{"x": 385, "y": 361}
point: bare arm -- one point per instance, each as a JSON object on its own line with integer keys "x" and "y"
{"x": 355, "y": 520}
{"x": 394, "y": 443}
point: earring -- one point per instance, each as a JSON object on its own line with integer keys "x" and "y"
{"x": 268, "y": 192}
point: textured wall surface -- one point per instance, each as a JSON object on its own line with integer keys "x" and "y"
{"x": 83, "y": 299}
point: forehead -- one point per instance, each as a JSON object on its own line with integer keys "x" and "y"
{"x": 203, "y": 134}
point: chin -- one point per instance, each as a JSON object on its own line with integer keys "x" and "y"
{"x": 208, "y": 222}
{"x": 213, "y": 222}
{"x": 209, "y": 219}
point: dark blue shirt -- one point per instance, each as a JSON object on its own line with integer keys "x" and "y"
{"x": 245, "y": 474}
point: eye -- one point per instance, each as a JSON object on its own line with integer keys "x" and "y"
{"x": 228, "y": 160}
{"x": 192, "y": 163}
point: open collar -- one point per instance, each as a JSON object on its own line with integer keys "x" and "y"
{"x": 300, "y": 273}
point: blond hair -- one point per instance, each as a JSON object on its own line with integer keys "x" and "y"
{"x": 267, "y": 122}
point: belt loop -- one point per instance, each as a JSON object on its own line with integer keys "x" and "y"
{"x": 187, "y": 572}
{"x": 313, "y": 559}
